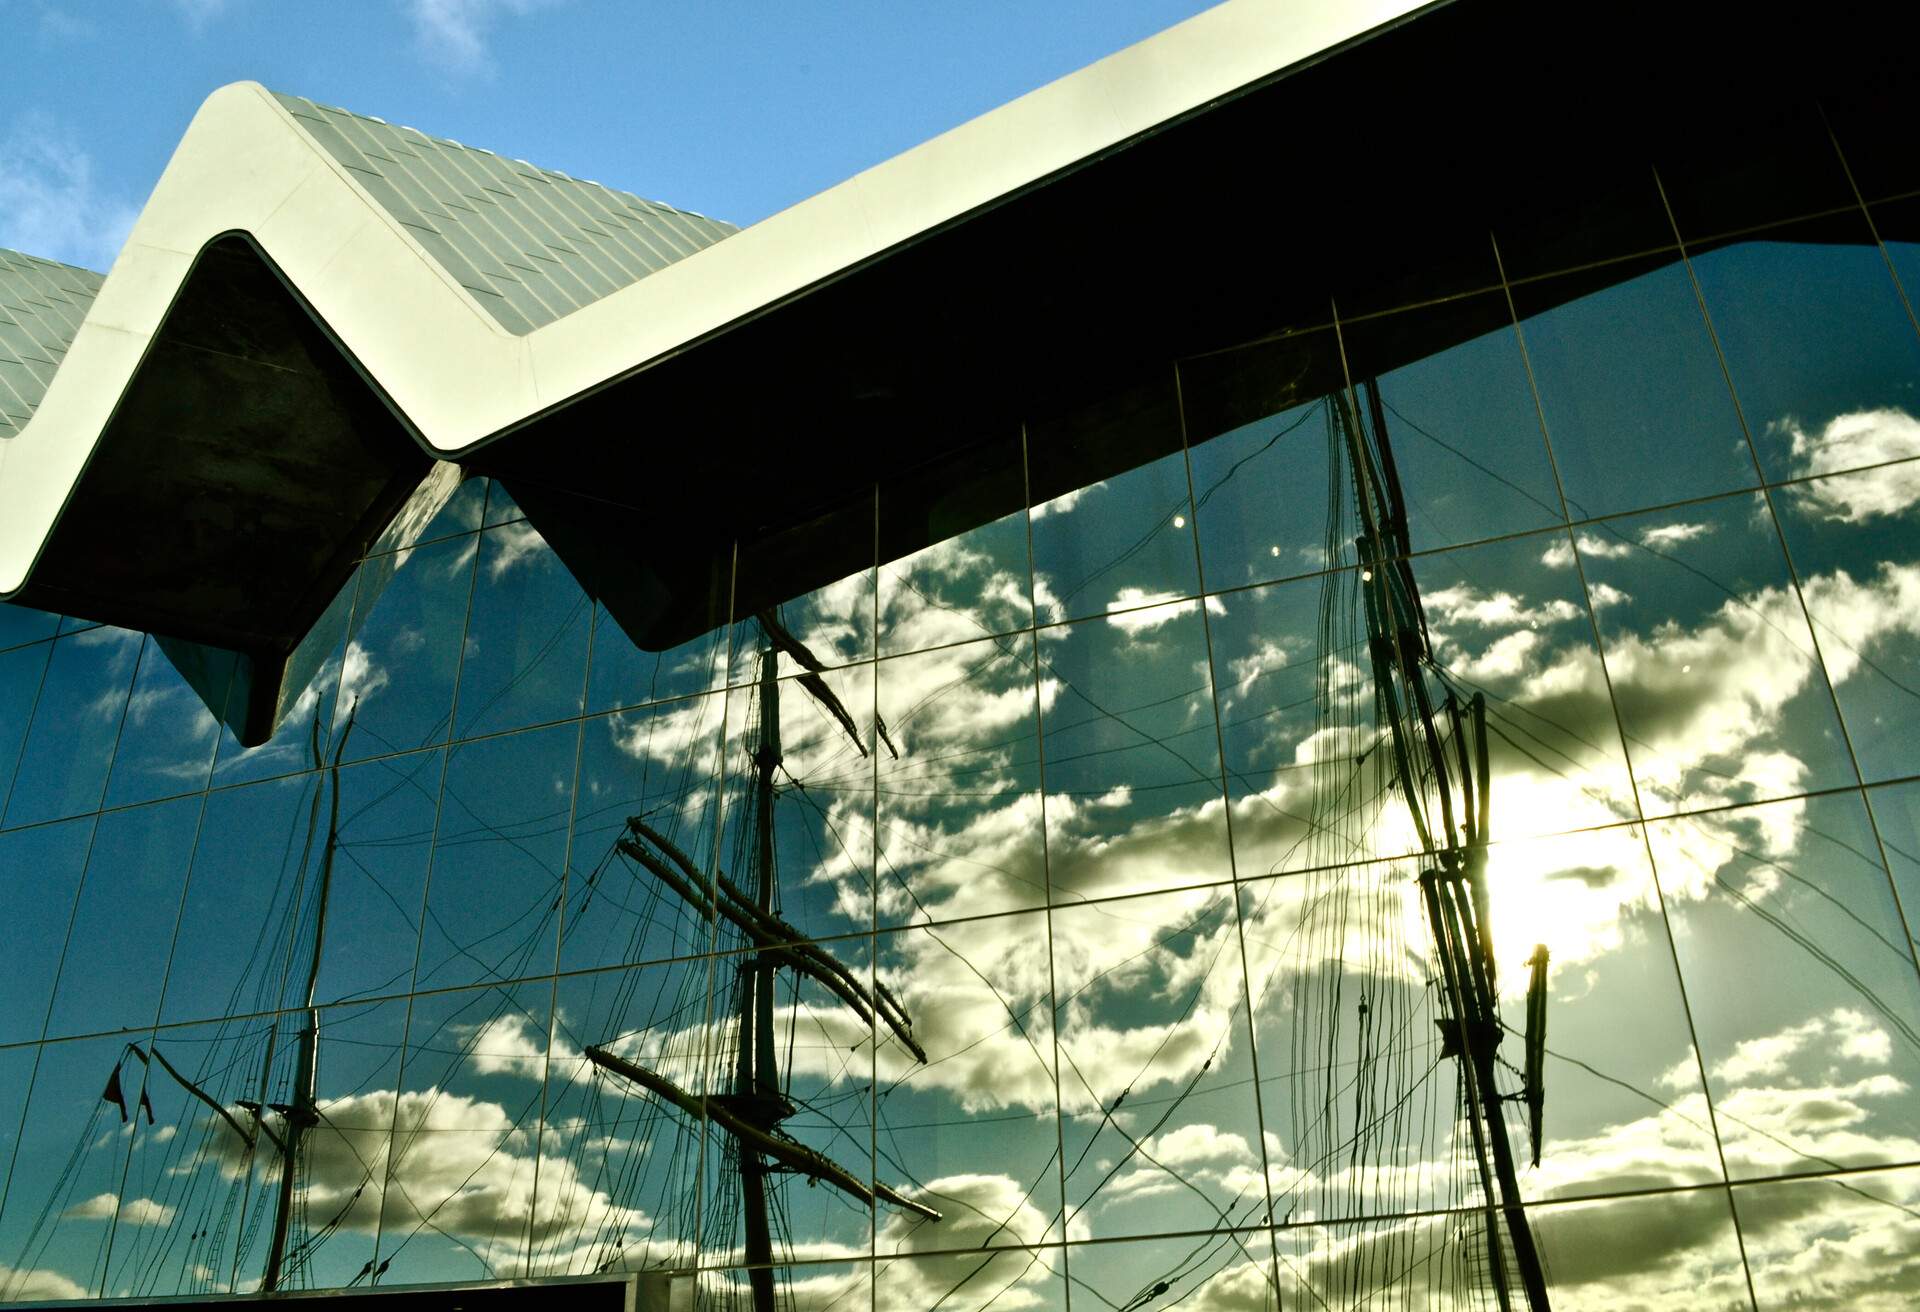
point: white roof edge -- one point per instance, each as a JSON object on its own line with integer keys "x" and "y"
{"x": 458, "y": 377}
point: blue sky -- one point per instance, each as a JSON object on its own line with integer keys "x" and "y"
{"x": 735, "y": 109}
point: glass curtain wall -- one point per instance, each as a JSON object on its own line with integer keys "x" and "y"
{"x": 1062, "y": 877}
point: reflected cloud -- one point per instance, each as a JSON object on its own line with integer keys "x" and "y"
{"x": 135, "y": 1211}
{"x": 1849, "y": 441}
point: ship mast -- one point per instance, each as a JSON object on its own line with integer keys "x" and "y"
{"x": 1453, "y": 837}
{"x": 302, "y": 1113}
{"x": 756, "y": 1075}
{"x": 753, "y": 1112}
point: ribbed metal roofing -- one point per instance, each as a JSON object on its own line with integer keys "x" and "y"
{"x": 531, "y": 244}
{"x": 41, "y": 306}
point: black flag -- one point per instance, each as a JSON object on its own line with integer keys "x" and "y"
{"x": 113, "y": 1094}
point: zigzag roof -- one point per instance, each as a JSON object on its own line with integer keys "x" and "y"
{"x": 475, "y": 293}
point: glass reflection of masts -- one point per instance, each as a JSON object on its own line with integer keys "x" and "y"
{"x": 753, "y": 1112}
{"x": 298, "y": 1116}
{"x": 1454, "y": 886}
{"x": 302, "y": 1114}
{"x": 756, "y": 1083}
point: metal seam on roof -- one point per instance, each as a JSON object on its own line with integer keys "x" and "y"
{"x": 478, "y": 251}
{"x": 38, "y": 295}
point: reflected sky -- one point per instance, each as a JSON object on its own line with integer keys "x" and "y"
{"x": 1094, "y": 900}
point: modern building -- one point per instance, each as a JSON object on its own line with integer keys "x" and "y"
{"x": 1284, "y": 674}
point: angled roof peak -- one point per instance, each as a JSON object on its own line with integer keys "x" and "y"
{"x": 531, "y": 244}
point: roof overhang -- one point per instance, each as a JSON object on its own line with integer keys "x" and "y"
{"x": 1028, "y": 277}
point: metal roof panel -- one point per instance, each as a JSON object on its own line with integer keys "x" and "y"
{"x": 604, "y": 239}
{"x": 45, "y": 302}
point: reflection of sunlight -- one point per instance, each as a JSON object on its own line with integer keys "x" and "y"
{"x": 1574, "y": 896}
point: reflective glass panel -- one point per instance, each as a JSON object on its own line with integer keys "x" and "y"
{"x": 213, "y": 1181}
{"x": 1668, "y": 434}
{"x": 235, "y": 940}
{"x": 1710, "y": 658}
{"x": 1822, "y": 353}
{"x": 1898, "y": 223}
{"x": 22, "y": 624}
{"x": 1844, "y": 1242}
{"x": 1666, "y": 1250}
{"x": 166, "y": 746}
{"x": 969, "y": 1129}
{"x": 444, "y": 505}
{"x": 305, "y": 732}
{"x": 1813, "y": 1055}
{"x": 1349, "y": 991}
{"x": 826, "y": 1284}
{"x": 499, "y": 866}
{"x": 66, "y": 1179}
{"x": 40, "y": 870}
{"x": 20, "y": 673}
{"x": 379, "y": 868}
{"x": 806, "y": 836}
{"x": 116, "y": 963}
{"x": 16, "y": 1071}
{"x": 1290, "y": 703}
{"x": 620, "y": 1167}
{"x": 953, "y": 546}
{"x": 403, "y": 647}
{"x": 76, "y": 721}
{"x": 1413, "y": 1261}
{"x": 1896, "y": 815}
{"x": 957, "y": 590}
{"x": 1034, "y": 1278}
{"x": 959, "y": 783}
{"x": 1509, "y": 625}
{"x": 526, "y": 644}
{"x": 1160, "y": 1116}
{"x": 814, "y": 1082}
{"x": 265, "y": 861}
{"x": 643, "y": 829}
{"x": 626, "y": 674}
{"x": 461, "y": 1177}
{"x": 1134, "y": 798}
{"x": 1460, "y": 420}
{"x": 1855, "y": 540}
{"x": 1263, "y": 451}
{"x": 816, "y": 582}
{"x": 501, "y": 507}
{"x": 1114, "y": 545}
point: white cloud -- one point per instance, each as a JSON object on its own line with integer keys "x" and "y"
{"x": 1463, "y": 604}
{"x": 1135, "y": 611}
{"x": 34, "y": 1285}
{"x": 517, "y": 543}
{"x": 100, "y": 1207}
{"x": 1848, "y": 441}
{"x": 1768, "y": 1055}
{"x": 510, "y": 1044}
{"x": 466, "y": 1163}
{"x": 1066, "y": 501}
{"x": 453, "y": 33}
{"x": 1670, "y": 535}
{"x": 1605, "y": 594}
{"x": 135, "y": 1211}
{"x": 51, "y": 204}
{"x": 1592, "y": 545}
{"x": 360, "y": 678}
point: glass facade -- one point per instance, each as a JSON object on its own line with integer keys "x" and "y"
{"x": 1059, "y": 876}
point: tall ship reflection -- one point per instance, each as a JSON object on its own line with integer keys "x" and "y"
{"x": 677, "y": 1087}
